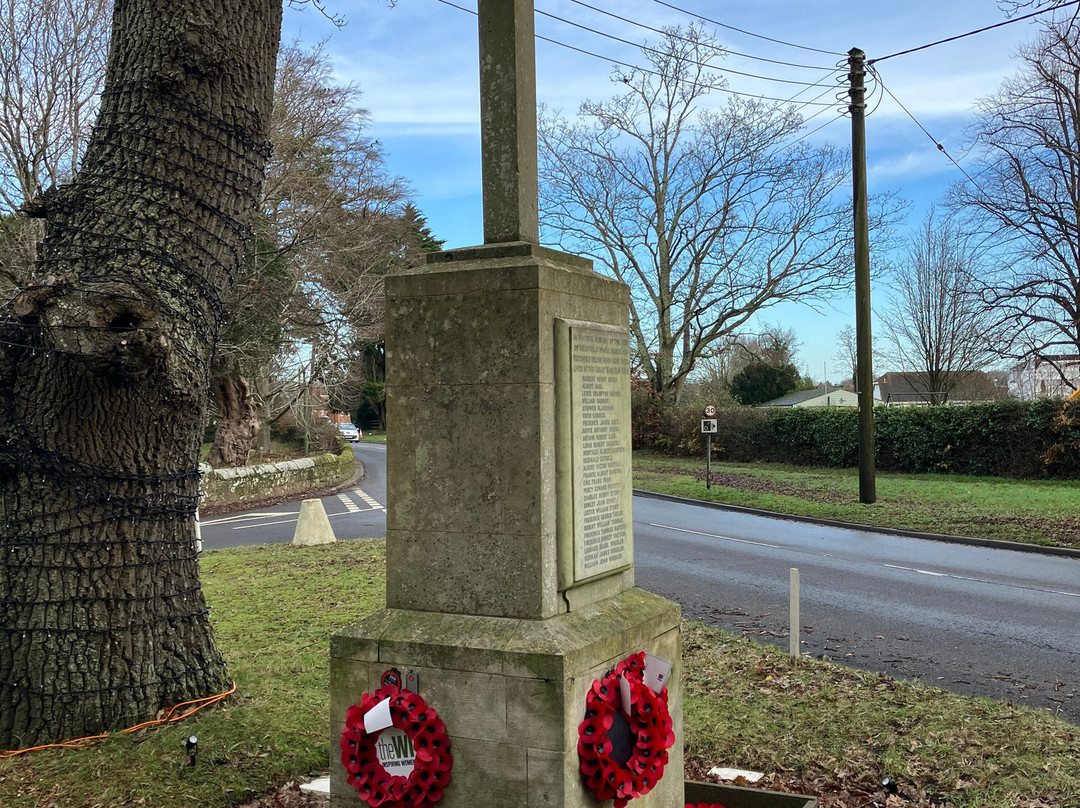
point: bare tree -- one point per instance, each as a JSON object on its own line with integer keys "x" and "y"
{"x": 847, "y": 354}
{"x": 52, "y": 65}
{"x": 775, "y": 346}
{"x": 1025, "y": 196}
{"x": 104, "y": 364}
{"x": 332, "y": 227}
{"x": 937, "y": 326}
{"x": 706, "y": 214}
{"x": 1014, "y": 7}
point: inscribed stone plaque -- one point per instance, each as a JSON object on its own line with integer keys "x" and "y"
{"x": 596, "y": 367}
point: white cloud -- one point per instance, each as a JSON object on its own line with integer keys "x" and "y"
{"x": 417, "y": 66}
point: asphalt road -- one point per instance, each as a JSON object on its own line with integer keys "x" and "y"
{"x": 979, "y": 621}
{"x": 357, "y": 513}
{"x": 973, "y": 620}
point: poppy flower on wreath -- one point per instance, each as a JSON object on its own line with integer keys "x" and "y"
{"x": 704, "y": 805}
{"x": 624, "y": 764}
{"x": 415, "y": 744}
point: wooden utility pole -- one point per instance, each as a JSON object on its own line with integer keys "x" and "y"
{"x": 864, "y": 371}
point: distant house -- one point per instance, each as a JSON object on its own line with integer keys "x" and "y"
{"x": 823, "y": 396}
{"x": 894, "y": 389}
{"x": 1042, "y": 378}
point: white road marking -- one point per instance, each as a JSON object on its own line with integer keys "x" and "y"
{"x": 243, "y": 517}
{"x": 984, "y": 581}
{"x": 925, "y": 572}
{"x": 891, "y": 566}
{"x": 715, "y": 536}
{"x": 372, "y": 503}
{"x": 350, "y": 508}
{"x": 267, "y": 524}
{"x": 290, "y": 521}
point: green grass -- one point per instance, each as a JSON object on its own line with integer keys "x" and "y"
{"x": 816, "y": 727}
{"x": 374, "y": 437}
{"x": 274, "y": 608}
{"x": 812, "y": 726}
{"x": 1035, "y": 512}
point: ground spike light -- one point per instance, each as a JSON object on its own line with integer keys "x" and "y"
{"x": 192, "y": 746}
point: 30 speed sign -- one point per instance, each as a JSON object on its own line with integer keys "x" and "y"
{"x": 710, "y": 411}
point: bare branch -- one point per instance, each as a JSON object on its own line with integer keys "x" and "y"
{"x": 707, "y": 215}
{"x": 1025, "y": 198}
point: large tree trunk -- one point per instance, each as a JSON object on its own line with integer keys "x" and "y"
{"x": 104, "y": 370}
{"x": 239, "y": 419}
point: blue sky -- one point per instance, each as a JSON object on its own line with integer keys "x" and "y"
{"x": 416, "y": 63}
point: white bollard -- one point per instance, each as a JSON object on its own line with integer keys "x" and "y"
{"x": 793, "y": 608}
{"x": 312, "y": 527}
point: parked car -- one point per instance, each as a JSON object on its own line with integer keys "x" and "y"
{"x": 350, "y": 432}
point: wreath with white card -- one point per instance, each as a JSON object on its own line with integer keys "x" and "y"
{"x": 623, "y": 741}
{"x": 395, "y": 749}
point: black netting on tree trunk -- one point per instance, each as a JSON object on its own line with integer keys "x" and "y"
{"x": 104, "y": 370}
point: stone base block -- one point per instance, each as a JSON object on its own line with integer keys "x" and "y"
{"x": 511, "y": 691}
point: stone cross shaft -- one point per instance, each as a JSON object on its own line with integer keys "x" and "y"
{"x": 508, "y": 121}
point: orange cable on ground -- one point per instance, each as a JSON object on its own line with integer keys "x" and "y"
{"x": 169, "y": 718}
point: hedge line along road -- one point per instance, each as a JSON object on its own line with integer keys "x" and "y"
{"x": 973, "y": 620}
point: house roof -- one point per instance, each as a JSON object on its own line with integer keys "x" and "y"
{"x": 977, "y": 385}
{"x": 902, "y": 387}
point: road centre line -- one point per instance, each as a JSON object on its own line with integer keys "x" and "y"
{"x": 715, "y": 536}
{"x": 267, "y": 524}
{"x": 243, "y": 517}
{"x": 984, "y": 581}
{"x": 925, "y": 572}
{"x": 891, "y": 566}
{"x": 290, "y": 521}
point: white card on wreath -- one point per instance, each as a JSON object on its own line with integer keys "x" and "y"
{"x": 378, "y": 717}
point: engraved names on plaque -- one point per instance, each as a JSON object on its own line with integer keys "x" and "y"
{"x": 603, "y": 489}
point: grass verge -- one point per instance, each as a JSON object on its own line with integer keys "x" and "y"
{"x": 813, "y": 727}
{"x": 1030, "y": 511}
{"x": 274, "y": 608}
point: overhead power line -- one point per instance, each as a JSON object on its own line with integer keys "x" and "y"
{"x": 719, "y": 24}
{"x": 972, "y": 33}
{"x": 839, "y": 116}
{"x": 687, "y": 39}
{"x": 647, "y": 49}
{"x": 842, "y": 113}
{"x": 649, "y": 71}
{"x": 925, "y": 131}
{"x": 819, "y": 96}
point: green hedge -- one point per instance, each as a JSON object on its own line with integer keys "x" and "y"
{"x": 1022, "y": 439}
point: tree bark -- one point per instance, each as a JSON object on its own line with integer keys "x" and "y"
{"x": 239, "y": 419}
{"x": 104, "y": 371}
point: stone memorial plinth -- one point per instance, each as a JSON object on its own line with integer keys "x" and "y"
{"x": 509, "y": 525}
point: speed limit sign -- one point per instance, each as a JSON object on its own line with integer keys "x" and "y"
{"x": 710, "y": 410}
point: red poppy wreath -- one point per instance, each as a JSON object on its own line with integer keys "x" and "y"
{"x": 623, "y": 758}
{"x": 416, "y": 740}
